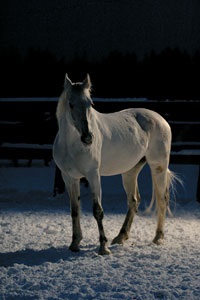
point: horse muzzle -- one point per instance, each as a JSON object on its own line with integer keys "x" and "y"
{"x": 87, "y": 138}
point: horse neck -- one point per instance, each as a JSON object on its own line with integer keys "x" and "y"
{"x": 67, "y": 132}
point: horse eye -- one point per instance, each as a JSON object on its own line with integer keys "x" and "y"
{"x": 71, "y": 105}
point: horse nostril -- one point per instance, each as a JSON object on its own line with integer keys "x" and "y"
{"x": 87, "y": 138}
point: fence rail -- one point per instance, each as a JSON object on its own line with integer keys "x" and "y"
{"x": 28, "y": 126}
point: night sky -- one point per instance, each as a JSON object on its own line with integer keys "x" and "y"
{"x": 97, "y": 27}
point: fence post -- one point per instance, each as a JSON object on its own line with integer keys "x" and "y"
{"x": 198, "y": 187}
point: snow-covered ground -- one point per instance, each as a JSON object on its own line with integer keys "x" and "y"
{"x": 35, "y": 231}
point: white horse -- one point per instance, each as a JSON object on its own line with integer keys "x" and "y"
{"x": 90, "y": 144}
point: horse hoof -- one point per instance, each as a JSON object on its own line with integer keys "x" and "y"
{"x": 159, "y": 238}
{"x": 74, "y": 248}
{"x": 118, "y": 240}
{"x": 104, "y": 251}
{"x": 158, "y": 242}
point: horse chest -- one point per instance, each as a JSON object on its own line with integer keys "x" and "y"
{"x": 75, "y": 161}
{"x": 63, "y": 159}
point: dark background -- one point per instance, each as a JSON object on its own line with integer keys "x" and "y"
{"x": 130, "y": 48}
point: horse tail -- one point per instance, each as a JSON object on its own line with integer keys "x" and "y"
{"x": 172, "y": 179}
{"x": 149, "y": 208}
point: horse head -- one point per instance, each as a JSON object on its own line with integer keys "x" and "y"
{"x": 79, "y": 107}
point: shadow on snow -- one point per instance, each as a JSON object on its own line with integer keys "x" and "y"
{"x": 30, "y": 257}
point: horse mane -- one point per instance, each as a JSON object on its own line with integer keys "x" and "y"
{"x": 61, "y": 107}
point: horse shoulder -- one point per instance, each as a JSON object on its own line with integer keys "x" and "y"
{"x": 100, "y": 125}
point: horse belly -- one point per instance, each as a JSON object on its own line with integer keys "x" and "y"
{"x": 117, "y": 161}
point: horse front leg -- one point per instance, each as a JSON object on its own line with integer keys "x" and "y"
{"x": 73, "y": 188}
{"x": 95, "y": 185}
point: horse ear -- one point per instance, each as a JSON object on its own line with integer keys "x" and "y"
{"x": 68, "y": 82}
{"x": 87, "y": 83}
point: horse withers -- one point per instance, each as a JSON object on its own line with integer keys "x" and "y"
{"x": 90, "y": 144}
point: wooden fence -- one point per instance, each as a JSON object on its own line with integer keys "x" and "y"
{"x": 28, "y": 127}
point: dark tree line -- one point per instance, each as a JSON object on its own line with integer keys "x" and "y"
{"x": 171, "y": 74}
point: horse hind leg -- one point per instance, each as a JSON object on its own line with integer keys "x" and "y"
{"x": 130, "y": 184}
{"x": 161, "y": 178}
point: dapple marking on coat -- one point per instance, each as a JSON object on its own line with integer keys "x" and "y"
{"x": 90, "y": 144}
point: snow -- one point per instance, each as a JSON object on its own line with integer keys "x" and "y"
{"x": 35, "y": 231}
